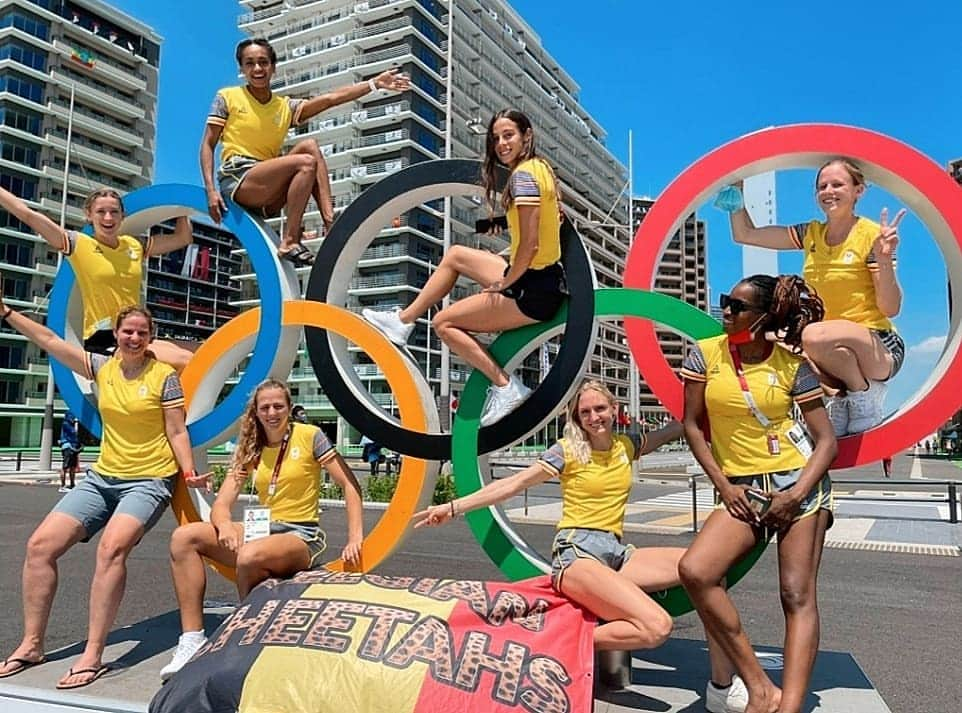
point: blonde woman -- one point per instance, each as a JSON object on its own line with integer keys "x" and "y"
{"x": 279, "y": 537}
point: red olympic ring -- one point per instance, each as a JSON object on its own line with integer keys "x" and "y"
{"x": 921, "y": 183}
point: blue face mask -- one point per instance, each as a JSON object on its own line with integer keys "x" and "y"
{"x": 729, "y": 199}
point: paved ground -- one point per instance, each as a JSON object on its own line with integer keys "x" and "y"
{"x": 897, "y": 616}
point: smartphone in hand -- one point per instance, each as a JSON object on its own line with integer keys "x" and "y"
{"x": 485, "y": 225}
{"x": 759, "y": 502}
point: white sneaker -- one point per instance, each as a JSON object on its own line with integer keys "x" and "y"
{"x": 63, "y": 489}
{"x": 865, "y": 407}
{"x": 837, "y": 407}
{"x": 733, "y": 699}
{"x": 502, "y": 400}
{"x": 390, "y": 324}
{"x": 187, "y": 646}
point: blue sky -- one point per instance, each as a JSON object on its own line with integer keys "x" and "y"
{"x": 686, "y": 78}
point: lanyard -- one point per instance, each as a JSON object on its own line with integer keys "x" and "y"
{"x": 272, "y": 486}
{"x": 746, "y": 393}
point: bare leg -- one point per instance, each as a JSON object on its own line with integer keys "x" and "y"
{"x": 284, "y": 181}
{"x": 722, "y": 542}
{"x": 107, "y": 589}
{"x": 54, "y": 536}
{"x": 799, "y": 555}
{"x": 188, "y": 546}
{"x": 322, "y": 185}
{"x": 273, "y": 556}
{"x": 847, "y": 351}
{"x": 632, "y": 619}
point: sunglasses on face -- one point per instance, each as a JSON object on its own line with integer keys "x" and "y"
{"x": 735, "y": 305}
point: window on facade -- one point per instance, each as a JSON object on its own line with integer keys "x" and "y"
{"x": 20, "y": 119}
{"x": 19, "y": 186}
{"x": 30, "y": 24}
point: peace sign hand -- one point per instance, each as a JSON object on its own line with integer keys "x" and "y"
{"x": 888, "y": 237}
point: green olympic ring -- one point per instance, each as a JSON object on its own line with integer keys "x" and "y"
{"x": 491, "y": 527}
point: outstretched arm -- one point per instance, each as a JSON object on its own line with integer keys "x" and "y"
{"x": 45, "y": 228}
{"x": 169, "y": 242}
{"x": 494, "y": 492}
{"x": 744, "y": 232}
{"x": 391, "y": 79}
{"x": 656, "y": 439}
{"x": 70, "y": 355}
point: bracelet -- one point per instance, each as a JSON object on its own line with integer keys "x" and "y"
{"x": 3, "y": 318}
{"x": 453, "y": 513}
{"x": 373, "y": 85}
{"x": 192, "y": 474}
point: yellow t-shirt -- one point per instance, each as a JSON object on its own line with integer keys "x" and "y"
{"x": 109, "y": 278}
{"x": 532, "y": 183}
{"x": 842, "y": 274}
{"x": 739, "y": 442}
{"x": 252, "y": 128}
{"x": 134, "y": 443}
{"x": 593, "y": 494}
{"x": 298, "y": 483}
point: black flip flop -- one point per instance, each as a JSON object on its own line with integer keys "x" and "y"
{"x": 97, "y": 673}
{"x": 24, "y": 665}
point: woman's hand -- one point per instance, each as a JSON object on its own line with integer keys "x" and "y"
{"x": 888, "y": 237}
{"x": 227, "y": 537}
{"x": 352, "y": 552}
{"x": 783, "y": 510}
{"x": 198, "y": 480}
{"x": 433, "y": 516}
{"x": 393, "y": 79}
{"x": 735, "y": 499}
{"x": 216, "y": 207}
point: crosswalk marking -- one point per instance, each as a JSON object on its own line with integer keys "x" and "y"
{"x": 680, "y": 500}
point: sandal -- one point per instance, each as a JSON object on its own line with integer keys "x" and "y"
{"x": 24, "y": 665}
{"x": 299, "y": 255}
{"x": 96, "y": 671}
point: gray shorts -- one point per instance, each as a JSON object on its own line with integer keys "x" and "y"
{"x": 573, "y": 543}
{"x": 894, "y": 345}
{"x": 310, "y": 532}
{"x": 232, "y": 172}
{"x": 98, "y": 497}
{"x": 818, "y": 498}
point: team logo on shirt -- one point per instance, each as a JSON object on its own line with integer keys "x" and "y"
{"x": 142, "y": 391}
{"x": 772, "y": 379}
{"x": 277, "y": 119}
{"x": 132, "y": 254}
{"x": 295, "y": 452}
{"x": 849, "y": 257}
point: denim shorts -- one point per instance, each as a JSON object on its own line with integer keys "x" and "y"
{"x": 894, "y": 345}
{"x": 573, "y": 543}
{"x": 98, "y": 497}
{"x": 818, "y": 498}
{"x": 232, "y": 172}
{"x": 310, "y": 532}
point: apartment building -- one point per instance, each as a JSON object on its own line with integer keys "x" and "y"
{"x": 682, "y": 273}
{"x": 466, "y": 59}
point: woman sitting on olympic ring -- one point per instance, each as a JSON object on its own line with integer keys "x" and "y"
{"x": 109, "y": 267}
{"x": 280, "y": 537}
{"x": 529, "y": 289}
{"x": 590, "y": 564}
{"x": 851, "y": 261}
{"x": 145, "y": 444}
{"x": 252, "y": 122}
{"x": 766, "y": 471}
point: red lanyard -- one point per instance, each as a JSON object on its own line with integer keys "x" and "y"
{"x": 746, "y": 392}
{"x": 272, "y": 486}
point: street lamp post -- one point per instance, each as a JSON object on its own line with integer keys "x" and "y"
{"x": 445, "y": 385}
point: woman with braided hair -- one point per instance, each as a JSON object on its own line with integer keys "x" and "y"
{"x": 766, "y": 469}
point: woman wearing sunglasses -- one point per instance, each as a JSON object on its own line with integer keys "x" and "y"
{"x": 766, "y": 470}
{"x": 851, "y": 261}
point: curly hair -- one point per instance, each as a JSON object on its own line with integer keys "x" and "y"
{"x": 252, "y": 439}
{"x": 790, "y": 305}
{"x": 573, "y": 431}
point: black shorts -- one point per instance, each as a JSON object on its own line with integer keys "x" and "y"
{"x": 539, "y": 293}
{"x": 895, "y": 346}
{"x": 71, "y": 458}
{"x": 102, "y": 341}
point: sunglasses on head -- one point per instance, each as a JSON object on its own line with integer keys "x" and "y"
{"x": 735, "y": 305}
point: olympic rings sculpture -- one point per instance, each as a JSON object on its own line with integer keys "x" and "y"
{"x": 902, "y": 170}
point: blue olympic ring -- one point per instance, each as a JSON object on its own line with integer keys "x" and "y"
{"x": 251, "y": 235}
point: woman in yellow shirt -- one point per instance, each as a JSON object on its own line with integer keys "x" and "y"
{"x": 529, "y": 288}
{"x": 279, "y": 537}
{"x": 109, "y": 266}
{"x": 144, "y": 446}
{"x": 590, "y": 564}
{"x": 766, "y": 471}
{"x": 251, "y": 123}
{"x": 851, "y": 261}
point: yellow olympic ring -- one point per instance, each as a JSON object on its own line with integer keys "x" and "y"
{"x": 388, "y": 532}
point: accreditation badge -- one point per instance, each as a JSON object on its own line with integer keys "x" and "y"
{"x": 257, "y": 523}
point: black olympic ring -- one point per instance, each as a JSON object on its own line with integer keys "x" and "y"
{"x": 364, "y": 217}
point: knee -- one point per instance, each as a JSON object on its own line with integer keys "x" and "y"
{"x": 456, "y": 256}
{"x": 659, "y": 629}
{"x": 184, "y": 540}
{"x": 111, "y": 552}
{"x": 691, "y": 575}
{"x": 796, "y": 596}
{"x": 440, "y": 323}
{"x": 43, "y": 546}
{"x": 250, "y": 558}
{"x": 815, "y": 338}
{"x": 306, "y": 163}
